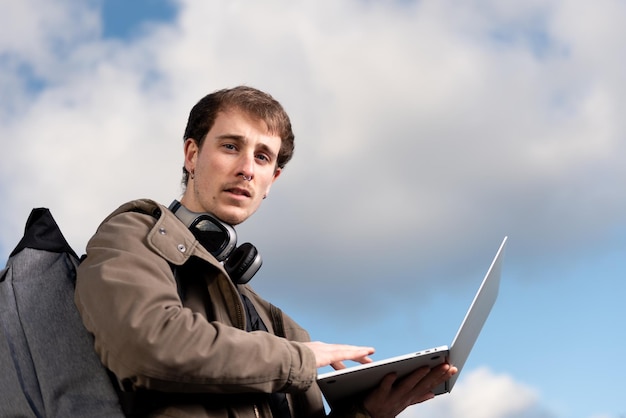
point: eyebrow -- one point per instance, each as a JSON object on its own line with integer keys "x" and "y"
{"x": 242, "y": 140}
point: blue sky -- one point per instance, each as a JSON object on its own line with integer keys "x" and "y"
{"x": 425, "y": 132}
{"x": 122, "y": 19}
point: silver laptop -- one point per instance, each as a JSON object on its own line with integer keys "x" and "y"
{"x": 344, "y": 385}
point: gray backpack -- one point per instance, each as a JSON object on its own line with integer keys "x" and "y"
{"x": 47, "y": 362}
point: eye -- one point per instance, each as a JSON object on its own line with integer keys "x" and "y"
{"x": 230, "y": 147}
{"x": 264, "y": 158}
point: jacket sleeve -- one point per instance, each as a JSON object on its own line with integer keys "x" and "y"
{"x": 127, "y": 296}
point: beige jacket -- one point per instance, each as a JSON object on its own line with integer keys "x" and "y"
{"x": 127, "y": 296}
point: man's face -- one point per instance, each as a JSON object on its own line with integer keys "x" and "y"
{"x": 236, "y": 148}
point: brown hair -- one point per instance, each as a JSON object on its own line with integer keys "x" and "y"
{"x": 249, "y": 100}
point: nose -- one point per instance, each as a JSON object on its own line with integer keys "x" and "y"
{"x": 246, "y": 167}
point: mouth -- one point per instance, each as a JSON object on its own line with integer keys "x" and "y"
{"x": 238, "y": 191}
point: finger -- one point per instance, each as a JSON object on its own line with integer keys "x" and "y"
{"x": 364, "y": 360}
{"x": 338, "y": 365}
{"x": 358, "y": 351}
{"x": 423, "y": 398}
{"x": 355, "y": 353}
{"x": 434, "y": 378}
{"x": 444, "y": 372}
{"x": 419, "y": 386}
{"x": 415, "y": 378}
{"x": 388, "y": 382}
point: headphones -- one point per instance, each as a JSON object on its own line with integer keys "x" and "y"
{"x": 220, "y": 239}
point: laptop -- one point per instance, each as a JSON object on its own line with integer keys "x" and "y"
{"x": 345, "y": 385}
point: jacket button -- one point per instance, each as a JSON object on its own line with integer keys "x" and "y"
{"x": 162, "y": 231}
{"x": 182, "y": 248}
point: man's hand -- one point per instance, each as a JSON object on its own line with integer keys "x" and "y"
{"x": 335, "y": 354}
{"x": 393, "y": 396}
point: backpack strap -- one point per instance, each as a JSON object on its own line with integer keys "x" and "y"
{"x": 43, "y": 233}
{"x": 277, "y": 321}
{"x": 299, "y": 399}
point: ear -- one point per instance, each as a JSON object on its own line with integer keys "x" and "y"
{"x": 191, "y": 154}
{"x": 276, "y": 175}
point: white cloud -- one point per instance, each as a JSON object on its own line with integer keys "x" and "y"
{"x": 483, "y": 394}
{"x": 38, "y": 30}
{"x": 424, "y": 129}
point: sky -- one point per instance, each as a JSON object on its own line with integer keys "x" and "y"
{"x": 426, "y": 131}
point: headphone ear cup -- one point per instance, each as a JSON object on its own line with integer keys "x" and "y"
{"x": 243, "y": 263}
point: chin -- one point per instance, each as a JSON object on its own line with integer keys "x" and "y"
{"x": 234, "y": 214}
{"x": 232, "y": 218}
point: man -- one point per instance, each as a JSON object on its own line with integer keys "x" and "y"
{"x": 181, "y": 337}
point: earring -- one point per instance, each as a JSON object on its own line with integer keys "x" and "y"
{"x": 193, "y": 174}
